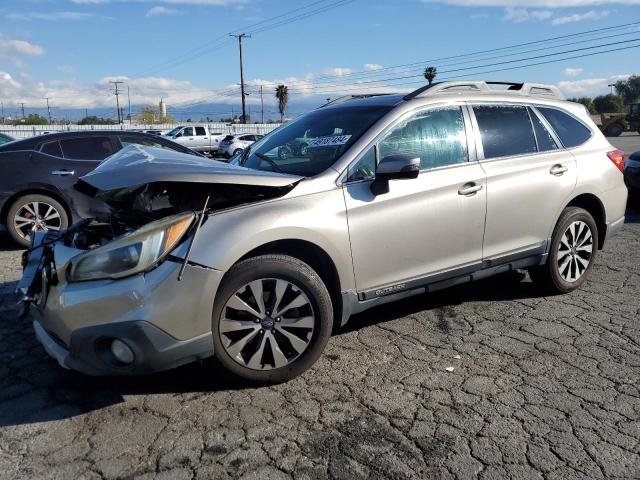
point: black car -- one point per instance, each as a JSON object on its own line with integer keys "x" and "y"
{"x": 37, "y": 175}
{"x": 5, "y": 139}
{"x": 632, "y": 172}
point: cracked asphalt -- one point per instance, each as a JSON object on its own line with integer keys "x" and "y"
{"x": 486, "y": 380}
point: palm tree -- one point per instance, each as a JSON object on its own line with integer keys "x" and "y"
{"x": 282, "y": 94}
{"x": 430, "y": 73}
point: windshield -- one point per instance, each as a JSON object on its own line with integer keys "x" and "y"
{"x": 174, "y": 131}
{"x": 312, "y": 143}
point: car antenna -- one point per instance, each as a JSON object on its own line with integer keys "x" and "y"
{"x": 193, "y": 239}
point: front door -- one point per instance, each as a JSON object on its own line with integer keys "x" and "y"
{"x": 425, "y": 226}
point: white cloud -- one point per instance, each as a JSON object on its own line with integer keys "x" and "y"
{"x": 519, "y": 15}
{"x": 533, "y": 3}
{"x": 589, "y": 87}
{"x": 11, "y": 48}
{"x": 338, "y": 71}
{"x": 160, "y": 10}
{"x": 51, "y": 16}
{"x": 572, "y": 72}
{"x": 8, "y": 86}
{"x": 372, "y": 67}
{"x": 579, "y": 17}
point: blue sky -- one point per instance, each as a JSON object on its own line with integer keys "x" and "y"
{"x": 68, "y": 50}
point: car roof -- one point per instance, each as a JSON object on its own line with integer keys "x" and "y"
{"x": 31, "y": 142}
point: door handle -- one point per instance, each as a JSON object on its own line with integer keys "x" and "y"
{"x": 470, "y": 188}
{"x": 63, "y": 173}
{"x": 558, "y": 170}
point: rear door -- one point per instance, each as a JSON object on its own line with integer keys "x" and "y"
{"x": 529, "y": 175}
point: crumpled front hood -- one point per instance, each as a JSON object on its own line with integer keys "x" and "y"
{"x": 138, "y": 165}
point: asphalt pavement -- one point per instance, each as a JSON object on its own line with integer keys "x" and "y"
{"x": 486, "y": 380}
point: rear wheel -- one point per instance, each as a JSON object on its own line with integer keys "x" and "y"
{"x": 272, "y": 319}
{"x": 34, "y": 213}
{"x": 614, "y": 130}
{"x": 237, "y": 151}
{"x": 573, "y": 250}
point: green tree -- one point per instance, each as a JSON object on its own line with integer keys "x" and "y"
{"x": 587, "y": 102}
{"x": 282, "y": 94}
{"x": 94, "y": 120}
{"x": 430, "y": 74}
{"x": 629, "y": 89}
{"x": 609, "y": 104}
{"x": 32, "y": 119}
{"x": 148, "y": 114}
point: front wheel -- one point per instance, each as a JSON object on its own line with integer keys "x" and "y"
{"x": 272, "y": 319}
{"x": 573, "y": 250}
{"x": 34, "y": 213}
{"x": 614, "y": 130}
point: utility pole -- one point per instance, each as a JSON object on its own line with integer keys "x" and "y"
{"x": 116, "y": 83}
{"x": 129, "y": 100}
{"x": 240, "y": 37}
{"x": 261, "y": 106}
{"x": 22, "y": 105}
{"x": 48, "y": 109}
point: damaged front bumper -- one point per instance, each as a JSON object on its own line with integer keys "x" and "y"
{"x": 162, "y": 321}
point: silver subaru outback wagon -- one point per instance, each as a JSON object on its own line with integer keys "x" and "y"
{"x": 374, "y": 199}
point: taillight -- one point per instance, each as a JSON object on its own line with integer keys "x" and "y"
{"x": 617, "y": 157}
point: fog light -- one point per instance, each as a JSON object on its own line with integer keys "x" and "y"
{"x": 122, "y": 352}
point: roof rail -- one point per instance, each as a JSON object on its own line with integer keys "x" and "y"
{"x": 346, "y": 98}
{"x": 526, "y": 89}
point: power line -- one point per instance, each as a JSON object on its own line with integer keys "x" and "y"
{"x": 352, "y": 87}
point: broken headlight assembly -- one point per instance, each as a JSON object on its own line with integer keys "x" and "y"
{"x": 132, "y": 253}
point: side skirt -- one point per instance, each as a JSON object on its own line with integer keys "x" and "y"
{"x": 359, "y": 302}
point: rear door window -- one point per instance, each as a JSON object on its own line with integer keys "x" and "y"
{"x": 88, "y": 148}
{"x": 52, "y": 148}
{"x": 543, "y": 137}
{"x": 571, "y": 131}
{"x": 505, "y": 130}
{"x": 200, "y": 132}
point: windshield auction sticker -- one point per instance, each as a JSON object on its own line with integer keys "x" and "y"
{"x": 329, "y": 141}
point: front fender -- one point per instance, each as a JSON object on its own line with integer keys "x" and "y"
{"x": 318, "y": 218}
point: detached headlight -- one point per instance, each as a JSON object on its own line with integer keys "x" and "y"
{"x": 131, "y": 253}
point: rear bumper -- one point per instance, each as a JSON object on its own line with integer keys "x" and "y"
{"x": 612, "y": 229}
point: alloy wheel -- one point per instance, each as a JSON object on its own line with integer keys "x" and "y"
{"x": 36, "y": 217}
{"x": 268, "y": 323}
{"x": 575, "y": 251}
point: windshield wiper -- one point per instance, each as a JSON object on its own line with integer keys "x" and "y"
{"x": 262, "y": 156}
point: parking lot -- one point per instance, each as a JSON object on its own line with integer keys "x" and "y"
{"x": 488, "y": 380}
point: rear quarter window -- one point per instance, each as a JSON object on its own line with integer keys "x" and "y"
{"x": 570, "y": 131}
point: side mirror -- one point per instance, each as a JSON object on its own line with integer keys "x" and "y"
{"x": 179, "y": 134}
{"x": 394, "y": 167}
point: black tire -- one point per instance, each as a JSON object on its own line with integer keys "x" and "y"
{"x": 21, "y": 236}
{"x": 614, "y": 130}
{"x": 292, "y": 270}
{"x": 236, "y": 152}
{"x": 548, "y": 276}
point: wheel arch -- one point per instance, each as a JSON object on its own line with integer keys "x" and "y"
{"x": 36, "y": 190}
{"x": 314, "y": 256}
{"x": 592, "y": 204}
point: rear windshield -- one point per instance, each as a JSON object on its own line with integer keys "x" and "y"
{"x": 228, "y": 137}
{"x": 312, "y": 143}
{"x": 571, "y": 132}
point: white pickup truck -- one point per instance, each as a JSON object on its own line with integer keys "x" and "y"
{"x": 197, "y": 137}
